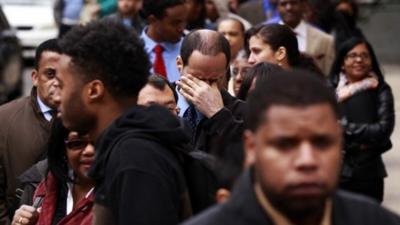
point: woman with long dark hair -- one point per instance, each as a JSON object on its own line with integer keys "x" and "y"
{"x": 368, "y": 118}
{"x": 277, "y": 44}
{"x": 65, "y": 196}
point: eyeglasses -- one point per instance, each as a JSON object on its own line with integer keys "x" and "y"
{"x": 242, "y": 71}
{"x": 76, "y": 144}
{"x": 353, "y": 56}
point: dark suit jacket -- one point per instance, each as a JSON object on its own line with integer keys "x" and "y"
{"x": 243, "y": 209}
{"x": 230, "y": 118}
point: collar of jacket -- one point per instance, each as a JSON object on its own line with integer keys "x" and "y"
{"x": 48, "y": 189}
{"x": 36, "y": 109}
{"x": 244, "y": 201}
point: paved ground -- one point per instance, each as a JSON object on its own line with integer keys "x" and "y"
{"x": 392, "y": 158}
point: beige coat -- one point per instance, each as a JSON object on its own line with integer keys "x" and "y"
{"x": 321, "y": 47}
{"x": 24, "y": 134}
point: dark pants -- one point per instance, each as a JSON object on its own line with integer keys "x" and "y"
{"x": 371, "y": 188}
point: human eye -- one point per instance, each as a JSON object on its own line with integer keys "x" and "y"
{"x": 352, "y": 55}
{"x": 365, "y": 55}
{"x": 233, "y": 34}
{"x": 235, "y": 71}
{"x": 255, "y": 51}
{"x": 50, "y": 73}
{"x": 322, "y": 142}
{"x": 284, "y": 143}
{"x": 244, "y": 70}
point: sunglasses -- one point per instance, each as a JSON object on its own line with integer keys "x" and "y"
{"x": 76, "y": 144}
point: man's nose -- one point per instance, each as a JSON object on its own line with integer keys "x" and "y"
{"x": 57, "y": 94}
{"x": 306, "y": 158}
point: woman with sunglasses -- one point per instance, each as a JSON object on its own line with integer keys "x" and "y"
{"x": 366, "y": 101}
{"x": 65, "y": 196}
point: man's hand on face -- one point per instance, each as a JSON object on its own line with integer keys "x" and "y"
{"x": 205, "y": 97}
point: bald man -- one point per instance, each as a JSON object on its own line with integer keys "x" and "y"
{"x": 205, "y": 104}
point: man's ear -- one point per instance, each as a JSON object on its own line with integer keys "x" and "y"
{"x": 281, "y": 54}
{"x": 35, "y": 77}
{"x": 179, "y": 64}
{"x": 249, "y": 148}
{"x": 95, "y": 91}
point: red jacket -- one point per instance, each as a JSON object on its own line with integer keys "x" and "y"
{"x": 80, "y": 215}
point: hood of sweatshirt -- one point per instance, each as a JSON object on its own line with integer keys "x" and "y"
{"x": 154, "y": 122}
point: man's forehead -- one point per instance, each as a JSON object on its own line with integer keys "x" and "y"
{"x": 318, "y": 118}
{"x": 207, "y": 62}
{"x": 66, "y": 62}
{"x": 151, "y": 93}
{"x": 172, "y": 12}
{"x": 49, "y": 56}
{"x": 65, "y": 58}
{"x": 65, "y": 66}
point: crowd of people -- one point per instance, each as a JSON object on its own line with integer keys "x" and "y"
{"x": 199, "y": 112}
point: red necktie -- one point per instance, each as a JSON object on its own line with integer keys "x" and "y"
{"x": 159, "y": 66}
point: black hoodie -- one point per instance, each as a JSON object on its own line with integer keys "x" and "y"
{"x": 138, "y": 177}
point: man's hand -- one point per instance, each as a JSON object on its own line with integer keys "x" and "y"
{"x": 206, "y": 98}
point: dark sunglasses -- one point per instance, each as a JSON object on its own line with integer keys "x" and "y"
{"x": 76, "y": 144}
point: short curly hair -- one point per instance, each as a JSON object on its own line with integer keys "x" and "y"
{"x": 157, "y": 7}
{"x": 109, "y": 52}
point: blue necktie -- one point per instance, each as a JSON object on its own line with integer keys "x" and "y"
{"x": 190, "y": 115}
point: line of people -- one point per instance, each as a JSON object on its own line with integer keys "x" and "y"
{"x": 134, "y": 148}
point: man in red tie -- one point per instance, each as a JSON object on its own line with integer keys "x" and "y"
{"x": 163, "y": 36}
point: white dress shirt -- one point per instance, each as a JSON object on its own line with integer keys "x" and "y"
{"x": 70, "y": 199}
{"x": 301, "y": 35}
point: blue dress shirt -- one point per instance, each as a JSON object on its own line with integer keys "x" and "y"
{"x": 171, "y": 51}
{"x": 45, "y": 109}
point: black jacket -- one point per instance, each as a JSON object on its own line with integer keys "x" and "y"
{"x": 243, "y": 209}
{"x": 368, "y": 120}
{"x": 230, "y": 118}
{"x": 138, "y": 177}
